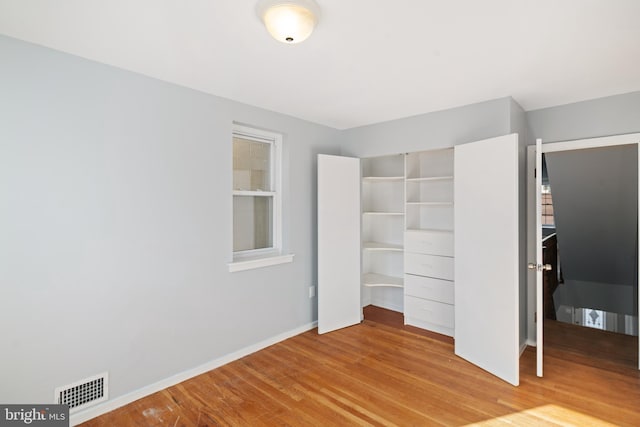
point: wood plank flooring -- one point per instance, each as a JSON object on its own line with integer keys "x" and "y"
{"x": 378, "y": 374}
{"x": 607, "y": 350}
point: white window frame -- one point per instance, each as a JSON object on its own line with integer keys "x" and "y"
{"x": 256, "y": 258}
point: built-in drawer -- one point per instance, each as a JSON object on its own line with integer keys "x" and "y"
{"x": 429, "y": 288}
{"x": 432, "y": 242}
{"x": 439, "y": 267}
{"x": 428, "y": 311}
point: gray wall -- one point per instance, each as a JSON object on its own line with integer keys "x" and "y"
{"x": 115, "y": 217}
{"x": 519, "y": 125}
{"x": 613, "y": 115}
{"x": 439, "y": 129}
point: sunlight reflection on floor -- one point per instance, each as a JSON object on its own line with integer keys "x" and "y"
{"x": 545, "y": 415}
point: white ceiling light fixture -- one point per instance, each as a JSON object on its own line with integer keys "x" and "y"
{"x": 289, "y": 21}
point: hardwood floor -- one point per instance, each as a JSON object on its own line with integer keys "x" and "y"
{"x": 593, "y": 347}
{"x": 380, "y": 373}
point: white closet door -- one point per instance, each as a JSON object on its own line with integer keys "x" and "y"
{"x": 486, "y": 254}
{"x": 338, "y": 242}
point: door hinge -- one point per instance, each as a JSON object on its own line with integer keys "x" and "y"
{"x": 535, "y": 172}
{"x": 535, "y": 317}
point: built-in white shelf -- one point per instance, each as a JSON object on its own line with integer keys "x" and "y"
{"x": 374, "y": 280}
{"x": 383, "y": 178}
{"x": 430, "y": 203}
{"x": 429, "y": 241}
{"x": 383, "y": 222}
{"x": 429, "y": 230}
{"x": 253, "y": 193}
{"x": 431, "y": 178}
{"x": 379, "y": 246}
{"x": 384, "y": 213}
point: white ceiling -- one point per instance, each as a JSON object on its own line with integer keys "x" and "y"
{"x": 368, "y": 60}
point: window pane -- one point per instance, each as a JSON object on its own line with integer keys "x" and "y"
{"x": 252, "y": 223}
{"x": 251, "y": 165}
{"x": 547, "y": 206}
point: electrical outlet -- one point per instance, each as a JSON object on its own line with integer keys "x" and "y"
{"x": 312, "y": 291}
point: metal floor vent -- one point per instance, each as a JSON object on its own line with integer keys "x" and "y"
{"x": 84, "y": 393}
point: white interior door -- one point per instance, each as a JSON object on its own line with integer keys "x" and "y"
{"x": 538, "y": 264}
{"x": 338, "y": 242}
{"x": 487, "y": 255}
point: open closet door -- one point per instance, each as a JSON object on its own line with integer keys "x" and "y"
{"x": 338, "y": 242}
{"x": 487, "y": 255}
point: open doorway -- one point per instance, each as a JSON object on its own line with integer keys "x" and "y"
{"x": 590, "y": 241}
{"x": 594, "y": 279}
{"x": 590, "y": 198}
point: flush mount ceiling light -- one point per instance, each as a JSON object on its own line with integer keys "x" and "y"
{"x": 289, "y": 21}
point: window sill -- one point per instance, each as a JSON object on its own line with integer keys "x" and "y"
{"x": 250, "y": 264}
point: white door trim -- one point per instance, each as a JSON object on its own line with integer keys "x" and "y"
{"x": 580, "y": 144}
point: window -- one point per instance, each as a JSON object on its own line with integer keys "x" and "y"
{"x": 547, "y": 206}
{"x": 257, "y": 201}
{"x": 594, "y": 318}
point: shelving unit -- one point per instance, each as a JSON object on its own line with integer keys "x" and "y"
{"x": 368, "y": 252}
{"x": 381, "y": 246}
{"x": 430, "y": 203}
{"x": 382, "y": 231}
{"x": 373, "y": 280}
{"x": 383, "y": 213}
{"x": 382, "y": 178}
{"x": 428, "y": 241}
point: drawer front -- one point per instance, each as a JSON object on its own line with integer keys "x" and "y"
{"x": 429, "y": 242}
{"x": 439, "y": 267}
{"x": 429, "y": 288}
{"x": 425, "y": 310}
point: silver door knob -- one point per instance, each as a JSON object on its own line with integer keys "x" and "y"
{"x": 539, "y": 267}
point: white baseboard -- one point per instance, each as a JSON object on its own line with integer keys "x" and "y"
{"x": 112, "y": 404}
{"x": 389, "y": 298}
{"x": 523, "y": 347}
